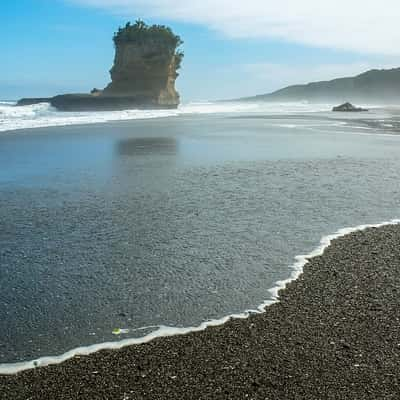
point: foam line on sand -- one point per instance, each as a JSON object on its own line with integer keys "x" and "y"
{"x": 165, "y": 331}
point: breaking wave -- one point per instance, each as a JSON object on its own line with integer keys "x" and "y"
{"x": 43, "y": 115}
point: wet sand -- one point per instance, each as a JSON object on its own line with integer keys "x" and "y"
{"x": 335, "y": 334}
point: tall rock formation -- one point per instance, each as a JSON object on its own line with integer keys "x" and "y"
{"x": 146, "y": 62}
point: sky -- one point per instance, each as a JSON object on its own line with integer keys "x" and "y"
{"x": 232, "y": 48}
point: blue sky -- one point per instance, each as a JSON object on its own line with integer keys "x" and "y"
{"x": 231, "y": 50}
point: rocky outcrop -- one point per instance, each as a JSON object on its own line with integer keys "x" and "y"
{"x": 145, "y": 68}
{"x": 348, "y": 107}
{"x": 31, "y": 101}
{"x": 96, "y": 102}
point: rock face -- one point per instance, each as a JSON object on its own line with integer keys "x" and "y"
{"x": 145, "y": 70}
{"x": 146, "y": 62}
{"x": 348, "y": 107}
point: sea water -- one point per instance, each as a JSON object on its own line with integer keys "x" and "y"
{"x": 172, "y": 218}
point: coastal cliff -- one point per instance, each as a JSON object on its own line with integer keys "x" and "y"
{"x": 146, "y": 64}
{"x": 380, "y": 86}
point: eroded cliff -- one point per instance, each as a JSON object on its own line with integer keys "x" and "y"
{"x": 146, "y": 63}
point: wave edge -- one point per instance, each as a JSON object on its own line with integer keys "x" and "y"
{"x": 165, "y": 331}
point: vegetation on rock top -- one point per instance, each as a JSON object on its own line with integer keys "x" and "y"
{"x": 142, "y": 34}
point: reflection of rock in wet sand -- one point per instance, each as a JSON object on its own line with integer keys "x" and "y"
{"x": 145, "y": 146}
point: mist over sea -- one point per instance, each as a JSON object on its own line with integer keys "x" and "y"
{"x": 140, "y": 219}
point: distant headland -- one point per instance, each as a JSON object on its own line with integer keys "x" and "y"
{"x": 381, "y": 86}
{"x": 146, "y": 64}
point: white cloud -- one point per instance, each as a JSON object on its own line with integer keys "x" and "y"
{"x": 365, "y": 26}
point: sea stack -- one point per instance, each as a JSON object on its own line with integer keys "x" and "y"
{"x": 146, "y": 64}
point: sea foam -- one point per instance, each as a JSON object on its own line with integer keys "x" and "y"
{"x": 165, "y": 331}
{"x": 43, "y": 115}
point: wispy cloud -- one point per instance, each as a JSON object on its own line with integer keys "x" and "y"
{"x": 364, "y": 26}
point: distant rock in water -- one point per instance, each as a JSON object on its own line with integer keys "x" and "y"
{"x": 146, "y": 62}
{"x": 348, "y": 107}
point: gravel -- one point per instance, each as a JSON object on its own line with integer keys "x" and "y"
{"x": 335, "y": 334}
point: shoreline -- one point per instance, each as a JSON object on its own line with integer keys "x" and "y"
{"x": 381, "y": 131}
{"x": 147, "y": 368}
{"x": 165, "y": 331}
{"x": 64, "y": 119}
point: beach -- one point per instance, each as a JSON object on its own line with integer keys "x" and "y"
{"x": 138, "y": 225}
{"x": 187, "y": 213}
{"x": 334, "y": 334}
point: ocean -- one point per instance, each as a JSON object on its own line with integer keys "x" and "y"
{"x": 121, "y": 225}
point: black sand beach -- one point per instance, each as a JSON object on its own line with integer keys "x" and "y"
{"x": 335, "y": 334}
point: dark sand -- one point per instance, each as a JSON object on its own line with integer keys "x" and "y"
{"x": 334, "y": 335}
